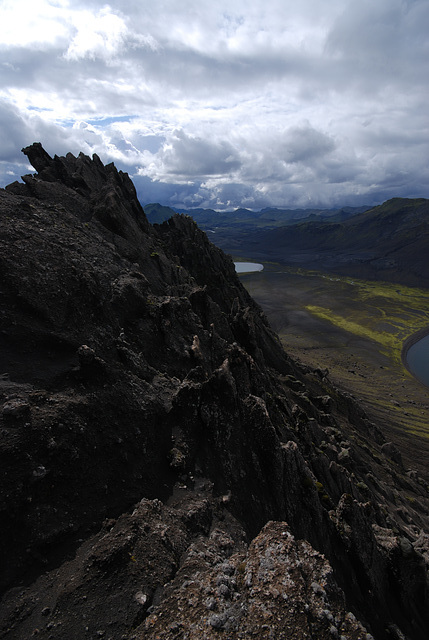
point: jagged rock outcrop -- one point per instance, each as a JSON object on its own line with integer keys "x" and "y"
{"x": 136, "y": 370}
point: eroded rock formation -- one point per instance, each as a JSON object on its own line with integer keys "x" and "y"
{"x": 167, "y": 470}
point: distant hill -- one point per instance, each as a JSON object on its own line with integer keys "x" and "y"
{"x": 156, "y": 213}
{"x": 388, "y": 242}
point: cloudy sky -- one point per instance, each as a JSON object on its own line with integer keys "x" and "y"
{"x": 224, "y": 104}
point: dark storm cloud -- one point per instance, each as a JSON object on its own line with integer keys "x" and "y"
{"x": 14, "y": 131}
{"x": 192, "y": 156}
{"x": 303, "y": 144}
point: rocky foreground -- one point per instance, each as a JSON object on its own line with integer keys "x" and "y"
{"x": 167, "y": 470}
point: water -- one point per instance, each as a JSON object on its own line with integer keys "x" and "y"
{"x": 248, "y": 267}
{"x": 418, "y": 360}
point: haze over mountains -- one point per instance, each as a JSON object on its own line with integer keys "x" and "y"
{"x": 387, "y": 242}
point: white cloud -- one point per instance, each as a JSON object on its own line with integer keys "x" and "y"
{"x": 98, "y": 35}
{"x": 269, "y": 102}
{"x": 26, "y": 23}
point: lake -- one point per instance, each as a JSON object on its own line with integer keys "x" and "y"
{"x": 248, "y": 267}
{"x": 418, "y": 360}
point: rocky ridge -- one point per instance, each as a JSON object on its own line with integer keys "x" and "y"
{"x": 168, "y": 471}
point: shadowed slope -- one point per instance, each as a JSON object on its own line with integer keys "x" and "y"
{"x": 136, "y": 368}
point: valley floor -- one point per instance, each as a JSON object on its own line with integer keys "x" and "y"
{"x": 356, "y": 329}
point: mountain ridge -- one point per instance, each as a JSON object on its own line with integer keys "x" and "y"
{"x": 269, "y": 217}
{"x": 158, "y": 445}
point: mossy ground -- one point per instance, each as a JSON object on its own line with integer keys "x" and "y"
{"x": 356, "y": 329}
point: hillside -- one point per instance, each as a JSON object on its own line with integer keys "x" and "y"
{"x": 168, "y": 470}
{"x": 389, "y": 242}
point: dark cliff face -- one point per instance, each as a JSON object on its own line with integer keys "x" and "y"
{"x": 135, "y": 367}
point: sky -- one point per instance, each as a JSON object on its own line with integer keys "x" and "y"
{"x": 233, "y": 103}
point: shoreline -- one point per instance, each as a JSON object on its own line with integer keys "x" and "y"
{"x": 409, "y": 342}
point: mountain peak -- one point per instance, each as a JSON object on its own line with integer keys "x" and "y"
{"x": 91, "y": 189}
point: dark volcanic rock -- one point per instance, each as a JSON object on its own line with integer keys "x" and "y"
{"x": 136, "y": 370}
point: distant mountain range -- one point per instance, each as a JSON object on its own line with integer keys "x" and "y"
{"x": 246, "y": 219}
{"x": 388, "y": 242}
